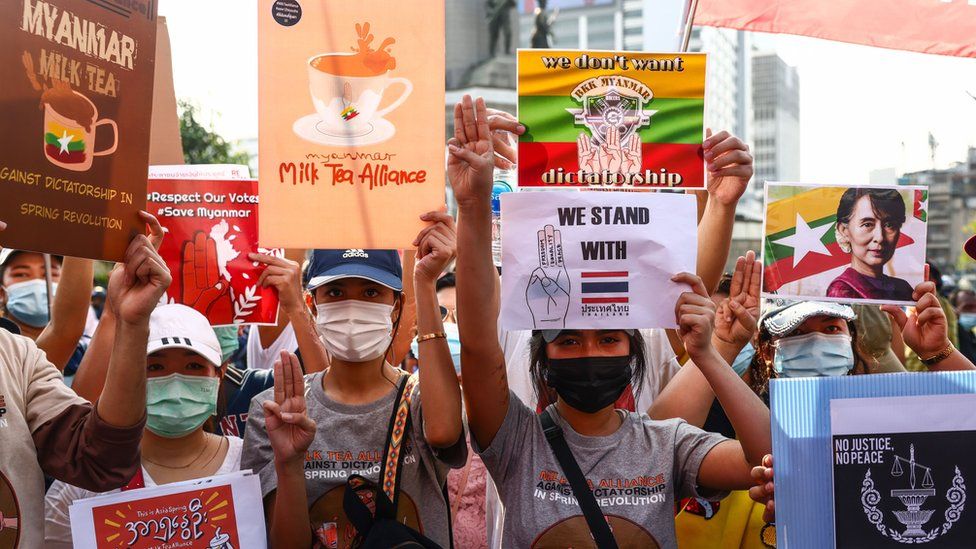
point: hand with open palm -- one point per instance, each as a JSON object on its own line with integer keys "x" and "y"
{"x": 471, "y": 162}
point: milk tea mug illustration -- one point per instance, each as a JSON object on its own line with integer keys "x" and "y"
{"x": 70, "y": 123}
{"x": 348, "y": 88}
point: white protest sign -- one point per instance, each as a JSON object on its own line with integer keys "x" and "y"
{"x": 594, "y": 260}
{"x": 220, "y": 512}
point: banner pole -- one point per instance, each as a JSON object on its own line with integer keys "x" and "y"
{"x": 689, "y": 21}
{"x": 50, "y": 285}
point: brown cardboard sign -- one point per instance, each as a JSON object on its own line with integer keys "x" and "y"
{"x": 75, "y": 110}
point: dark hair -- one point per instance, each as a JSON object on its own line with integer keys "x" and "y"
{"x": 446, "y": 281}
{"x": 761, "y": 367}
{"x": 724, "y": 285}
{"x": 539, "y": 362}
{"x": 883, "y": 201}
{"x": 935, "y": 275}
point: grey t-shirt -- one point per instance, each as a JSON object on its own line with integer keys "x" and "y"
{"x": 636, "y": 473}
{"x": 351, "y": 439}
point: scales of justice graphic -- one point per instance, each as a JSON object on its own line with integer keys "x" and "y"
{"x": 913, "y": 498}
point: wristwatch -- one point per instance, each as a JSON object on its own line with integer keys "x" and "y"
{"x": 940, "y": 356}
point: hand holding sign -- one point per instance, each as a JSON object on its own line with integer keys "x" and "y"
{"x": 926, "y": 330}
{"x": 290, "y": 430}
{"x": 203, "y": 287}
{"x": 547, "y": 294}
{"x": 135, "y": 289}
{"x": 762, "y": 492}
{"x": 436, "y": 246}
{"x": 729, "y": 167}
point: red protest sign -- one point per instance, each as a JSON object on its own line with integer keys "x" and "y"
{"x": 211, "y": 227}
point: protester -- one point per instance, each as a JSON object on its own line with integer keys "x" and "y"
{"x": 48, "y": 429}
{"x": 808, "y": 338}
{"x": 869, "y": 224}
{"x": 878, "y": 339}
{"x": 183, "y": 359}
{"x": 304, "y": 468}
{"x": 589, "y": 369}
{"x": 60, "y": 331}
{"x": 964, "y": 303}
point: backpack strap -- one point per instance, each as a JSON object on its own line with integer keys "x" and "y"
{"x": 393, "y": 454}
{"x": 584, "y": 496}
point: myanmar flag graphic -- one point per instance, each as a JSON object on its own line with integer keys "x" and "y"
{"x": 801, "y": 254}
{"x": 64, "y": 144}
{"x": 565, "y": 97}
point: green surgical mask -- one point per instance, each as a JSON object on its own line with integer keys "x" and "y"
{"x": 176, "y": 405}
{"x": 227, "y": 336}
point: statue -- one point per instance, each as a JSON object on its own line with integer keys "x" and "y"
{"x": 543, "y": 26}
{"x": 500, "y": 21}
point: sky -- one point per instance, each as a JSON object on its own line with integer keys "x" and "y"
{"x": 857, "y": 104}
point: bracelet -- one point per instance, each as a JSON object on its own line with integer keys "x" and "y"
{"x": 428, "y": 337}
{"x": 939, "y": 357}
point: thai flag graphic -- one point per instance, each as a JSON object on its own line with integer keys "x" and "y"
{"x": 601, "y": 287}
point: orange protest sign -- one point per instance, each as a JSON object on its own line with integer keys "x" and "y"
{"x": 351, "y": 99}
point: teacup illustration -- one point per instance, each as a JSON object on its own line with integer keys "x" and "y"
{"x": 69, "y": 130}
{"x": 347, "y": 93}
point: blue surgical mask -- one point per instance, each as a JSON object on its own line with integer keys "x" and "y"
{"x": 813, "y": 355}
{"x": 967, "y": 321}
{"x": 453, "y": 343}
{"x": 742, "y": 361}
{"x": 27, "y": 302}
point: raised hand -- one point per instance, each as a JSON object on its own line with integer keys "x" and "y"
{"x": 611, "y": 157}
{"x": 695, "y": 313}
{"x": 203, "y": 288}
{"x": 632, "y": 156}
{"x": 548, "y": 292}
{"x": 736, "y": 318}
{"x": 763, "y": 492}
{"x": 926, "y": 330}
{"x": 472, "y": 153}
{"x": 135, "y": 288}
{"x": 586, "y": 153}
{"x": 729, "y": 167}
{"x": 503, "y": 127}
{"x": 290, "y": 430}
{"x": 436, "y": 246}
{"x": 285, "y": 276}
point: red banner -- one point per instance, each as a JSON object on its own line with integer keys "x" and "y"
{"x": 211, "y": 227}
{"x": 944, "y": 27}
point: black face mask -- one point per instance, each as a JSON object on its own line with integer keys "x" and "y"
{"x": 589, "y": 384}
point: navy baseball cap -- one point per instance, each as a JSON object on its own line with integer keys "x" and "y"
{"x": 380, "y": 266}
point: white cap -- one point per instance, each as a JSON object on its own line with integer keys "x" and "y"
{"x": 782, "y": 320}
{"x": 180, "y": 327}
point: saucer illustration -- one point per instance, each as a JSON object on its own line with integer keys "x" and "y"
{"x": 311, "y": 128}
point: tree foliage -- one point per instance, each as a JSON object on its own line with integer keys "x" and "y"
{"x": 201, "y": 145}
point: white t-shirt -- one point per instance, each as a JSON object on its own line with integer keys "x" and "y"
{"x": 662, "y": 366}
{"x": 57, "y": 524}
{"x": 260, "y": 358}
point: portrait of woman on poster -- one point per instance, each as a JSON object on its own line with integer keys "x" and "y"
{"x": 869, "y": 223}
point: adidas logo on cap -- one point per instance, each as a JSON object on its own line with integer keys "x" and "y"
{"x": 355, "y": 253}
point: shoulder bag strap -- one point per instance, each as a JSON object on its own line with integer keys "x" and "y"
{"x": 584, "y": 496}
{"x": 389, "y": 481}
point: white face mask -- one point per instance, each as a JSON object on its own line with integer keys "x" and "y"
{"x": 354, "y": 330}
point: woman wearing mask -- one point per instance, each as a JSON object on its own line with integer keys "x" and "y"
{"x": 304, "y": 468}
{"x": 809, "y": 338}
{"x": 638, "y": 467}
{"x": 869, "y": 225}
{"x": 183, "y": 371}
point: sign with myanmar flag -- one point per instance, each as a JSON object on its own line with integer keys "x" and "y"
{"x": 611, "y": 119}
{"x": 848, "y": 244}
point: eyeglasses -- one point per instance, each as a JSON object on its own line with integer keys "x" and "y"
{"x": 448, "y": 313}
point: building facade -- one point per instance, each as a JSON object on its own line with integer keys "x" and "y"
{"x": 776, "y": 126}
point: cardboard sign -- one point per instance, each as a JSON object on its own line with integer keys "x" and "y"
{"x": 211, "y": 228}
{"x": 900, "y": 470}
{"x": 350, "y": 113}
{"x": 221, "y": 512}
{"x": 821, "y": 439}
{"x": 614, "y": 119}
{"x": 594, "y": 260}
{"x": 848, "y": 244}
{"x": 76, "y": 107}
